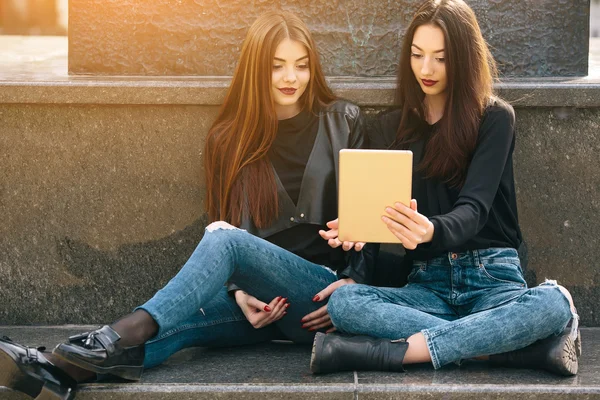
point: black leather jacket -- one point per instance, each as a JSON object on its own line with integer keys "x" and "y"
{"x": 340, "y": 126}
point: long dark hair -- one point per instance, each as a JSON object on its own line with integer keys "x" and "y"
{"x": 239, "y": 177}
{"x": 470, "y": 71}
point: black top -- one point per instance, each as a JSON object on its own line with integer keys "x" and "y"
{"x": 291, "y": 149}
{"x": 289, "y": 155}
{"x": 481, "y": 214}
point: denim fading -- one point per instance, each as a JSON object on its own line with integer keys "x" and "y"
{"x": 194, "y": 308}
{"x": 466, "y": 304}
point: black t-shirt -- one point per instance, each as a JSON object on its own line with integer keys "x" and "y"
{"x": 289, "y": 155}
{"x": 481, "y": 214}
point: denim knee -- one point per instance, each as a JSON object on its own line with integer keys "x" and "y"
{"x": 555, "y": 306}
{"x": 347, "y": 303}
{"x": 223, "y": 232}
{"x": 341, "y": 302}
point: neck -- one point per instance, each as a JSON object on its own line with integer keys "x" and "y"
{"x": 435, "y": 107}
{"x": 287, "y": 112}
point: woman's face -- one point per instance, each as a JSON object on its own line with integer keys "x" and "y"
{"x": 290, "y": 77}
{"x": 427, "y": 60}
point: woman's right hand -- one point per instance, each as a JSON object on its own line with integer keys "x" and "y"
{"x": 260, "y": 314}
{"x": 332, "y": 237}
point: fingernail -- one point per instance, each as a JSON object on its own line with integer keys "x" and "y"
{"x": 316, "y": 298}
{"x": 285, "y": 312}
{"x": 277, "y": 298}
{"x": 285, "y": 299}
{"x": 303, "y": 326}
{"x": 287, "y": 305}
{"x": 312, "y": 330}
{"x": 387, "y": 209}
{"x": 267, "y": 309}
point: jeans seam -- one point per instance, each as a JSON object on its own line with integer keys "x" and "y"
{"x": 181, "y": 298}
{"x": 233, "y": 249}
{"x": 493, "y": 278}
{"x": 182, "y": 328}
{"x": 431, "y": 347}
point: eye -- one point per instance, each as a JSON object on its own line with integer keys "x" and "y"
{"x": 415, "y": 55}
{"x": 441, "y": 59}
{"x": 302, "y": 66}
{"x": 277, "y": 66}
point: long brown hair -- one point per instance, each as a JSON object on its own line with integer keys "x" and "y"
{"x": 240, "y": 180}
{"x": 471, "y": 71}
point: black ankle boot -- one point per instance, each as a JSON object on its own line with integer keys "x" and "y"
{"x": 556, "y": 354}
{"x": 335, "y": 352}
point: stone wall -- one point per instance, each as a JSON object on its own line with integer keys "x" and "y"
{"x": 175, "y": 37}
{"x": 102, "y": 203}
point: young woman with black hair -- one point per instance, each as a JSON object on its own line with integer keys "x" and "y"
{"x": 466, "y": 296}
{"x": 271, "y": 176}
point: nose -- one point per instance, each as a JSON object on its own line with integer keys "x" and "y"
{"x": 290, "y": 75}
{"x": 427, "y": 67}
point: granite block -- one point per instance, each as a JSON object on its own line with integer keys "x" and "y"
{"x": 101, "y": 181}
{"x": 280, "y": 371}
{"x": 35, "y": 72}
{"x": 174, "y": 37}
{"x": 103, "y": 204}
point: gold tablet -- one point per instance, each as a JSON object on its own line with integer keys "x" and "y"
{"x": 371, "y": 180}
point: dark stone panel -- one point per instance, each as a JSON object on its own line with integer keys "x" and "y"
{"x": 101, "y": 205}
{"x": 557, "y": 156}
{"x": 175, "y": 37}
{"x": 280, "y": 371}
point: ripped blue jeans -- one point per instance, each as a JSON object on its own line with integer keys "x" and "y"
{"x": 194, "y": 308}
{"x": 465, "y": 304}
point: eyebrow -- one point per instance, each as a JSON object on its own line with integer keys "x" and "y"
{"x": 437, "y": 51}
{"x": 282, "y": 60}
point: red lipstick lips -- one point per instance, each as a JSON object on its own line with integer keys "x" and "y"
{"x": 428, "y": 82}
{"x": 288, "y": 91}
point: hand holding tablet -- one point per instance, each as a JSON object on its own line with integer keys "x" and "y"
{"x": 370, "y": 181}
{"x": 374, "y": 202}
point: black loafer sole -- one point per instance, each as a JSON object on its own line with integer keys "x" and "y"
{"x": 129, "y": 372}
{"x": 14, "y": 377}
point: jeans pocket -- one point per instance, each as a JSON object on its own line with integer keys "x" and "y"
{"x": 417, "y": 272}
{"x": 503, "y": 272}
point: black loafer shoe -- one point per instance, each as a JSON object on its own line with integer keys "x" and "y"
{"x": 334, "y": 352}
{"x": 99, "y": 351}
{"x": 25, "y": 369}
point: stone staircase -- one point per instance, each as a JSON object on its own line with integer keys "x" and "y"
{"x": 280, "y": 371}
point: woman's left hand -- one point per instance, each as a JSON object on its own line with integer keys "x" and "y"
{"x": 320, "y": 318}
{"x": 410, "y": 227}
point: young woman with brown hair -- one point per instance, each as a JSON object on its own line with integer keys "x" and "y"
{"x": 466, "y": 296}
{"x": 271, "y": 170}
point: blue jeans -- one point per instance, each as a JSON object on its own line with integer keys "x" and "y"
{"x": 465, "y": 304}
{"x": 194, "y": 309}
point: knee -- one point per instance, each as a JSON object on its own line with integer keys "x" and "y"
{"x": 220, "y": 225}
{"x": 343, "y": 302}
{"x": 221, "y": 234}
{"x": 558, "y": 302}
{"x": 566, "y": 293}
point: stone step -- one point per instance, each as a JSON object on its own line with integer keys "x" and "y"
{"x": 280, "y": 371}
